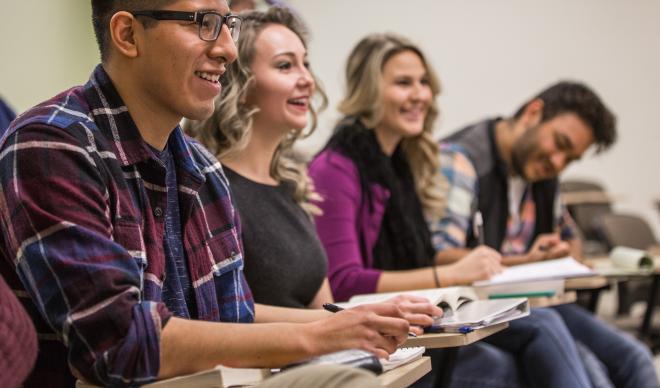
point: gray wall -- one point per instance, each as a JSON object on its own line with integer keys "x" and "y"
{"x": 491, "y": 55}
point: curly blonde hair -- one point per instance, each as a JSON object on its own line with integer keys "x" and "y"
{"x": 229, "y": 128}
{"x": 364, "y": 100}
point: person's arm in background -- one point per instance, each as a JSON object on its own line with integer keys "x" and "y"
{"x": 18, "y": 339}
{"x": 6, "y": 116}
{"x": 449, "y": 233}
{"x": 564, "y": 241}
{"x": 568, "y": 230}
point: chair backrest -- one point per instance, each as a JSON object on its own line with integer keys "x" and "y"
{"x": 585, "y": 212}
{"x": 625, "y": 229}
{"x": 573, "y": 185}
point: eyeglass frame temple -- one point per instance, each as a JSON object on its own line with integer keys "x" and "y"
{"x": 195, "y": 17}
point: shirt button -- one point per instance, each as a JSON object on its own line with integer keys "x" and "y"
{"x": 158, "y": 211}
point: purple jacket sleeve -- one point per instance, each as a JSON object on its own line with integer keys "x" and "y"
{"x": 336, "y": 180}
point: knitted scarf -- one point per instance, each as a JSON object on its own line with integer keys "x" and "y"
{"x": 404, "y": 241}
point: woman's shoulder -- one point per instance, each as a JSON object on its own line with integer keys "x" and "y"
{"x": 331, "y": 162}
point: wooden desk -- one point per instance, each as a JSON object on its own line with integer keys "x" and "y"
{"x": 406, "y": 375}
{"x": 586, "y": 283}
{"x": 450, "y": 340}
{"x": 549, "y": 301}
{"x": 604, "y": 266}
{"x": 400, "y": 377}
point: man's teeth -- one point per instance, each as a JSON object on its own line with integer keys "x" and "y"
{"x": 208, "y": 76}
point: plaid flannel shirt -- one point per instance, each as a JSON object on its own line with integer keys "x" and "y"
{"x": 450, "y": 231}
{"x": 82, "y": 202}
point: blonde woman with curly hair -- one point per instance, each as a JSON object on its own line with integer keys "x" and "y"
{"x": 380, "y": 181}
{"x": 265, "y": 106}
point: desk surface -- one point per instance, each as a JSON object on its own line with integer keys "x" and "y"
{"x": 549, "y": 301}
{"x": 603, "y": 265}
{"x": 586, "y": 283}
{"x": 405, "y": 375}
{"x": 400, "y": 377}
{"x": 450, "y": 340}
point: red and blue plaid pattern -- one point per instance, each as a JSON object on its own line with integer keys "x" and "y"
{"x": 81, "y": 204}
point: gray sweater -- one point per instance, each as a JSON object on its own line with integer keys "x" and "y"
{"x": 285, "y": 263}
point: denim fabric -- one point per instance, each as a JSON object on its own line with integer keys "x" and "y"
{"x": 628, "y": 361}
{"x": 545, "y": 350}
{"x": 596, "y": 370}
{"x": 478, "y": 365}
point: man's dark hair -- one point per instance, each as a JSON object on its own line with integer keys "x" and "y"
{"x": 574, "y": 97}
{"x": 102, "y": 11}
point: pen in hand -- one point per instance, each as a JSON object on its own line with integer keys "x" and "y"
{"x": 333, "y": 308}
{"x": 478, "y": 225}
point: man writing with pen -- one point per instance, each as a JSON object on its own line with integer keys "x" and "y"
{"x": 504, "y": 194}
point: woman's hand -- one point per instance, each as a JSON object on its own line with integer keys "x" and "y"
{"x": 480, "y": 264}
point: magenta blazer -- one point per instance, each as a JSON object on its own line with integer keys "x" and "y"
{"x": 347, "y": 228}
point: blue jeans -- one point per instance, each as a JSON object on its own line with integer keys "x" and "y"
{"x": 536, "y": 352}
{"x": 477, "y": 365}
{"x": 628, "y": 361}
{"x": 545, "y": 350}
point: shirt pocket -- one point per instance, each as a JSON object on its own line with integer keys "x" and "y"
{"x": 225, "y": 252}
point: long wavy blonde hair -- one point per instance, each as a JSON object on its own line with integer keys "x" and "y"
{"x": 364, "y": 71}
{"x": 230, "y": 127}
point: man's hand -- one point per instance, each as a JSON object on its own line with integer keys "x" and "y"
{"x": 376, "y": 328}
{"x": 480, "y": 264}
{"x": 548, "y": 246}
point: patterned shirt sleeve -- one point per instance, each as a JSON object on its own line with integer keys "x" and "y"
{"x": 450, "y": 231}
{"x": 58, "y": 229}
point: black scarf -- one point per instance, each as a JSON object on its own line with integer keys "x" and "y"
{"x": 404, "y": 241}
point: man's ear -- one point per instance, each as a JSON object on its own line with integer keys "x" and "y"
{"x": 532, "y": 113}
{"x": 123, "y": 28}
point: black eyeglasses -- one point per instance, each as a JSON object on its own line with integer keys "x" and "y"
{"x": 209, "y": 22}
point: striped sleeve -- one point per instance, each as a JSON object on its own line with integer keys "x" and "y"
{"x": 450, "y": 231}
{"x": 57, "y": 230}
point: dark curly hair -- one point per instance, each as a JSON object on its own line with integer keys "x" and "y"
{"x": 577, "y": 98}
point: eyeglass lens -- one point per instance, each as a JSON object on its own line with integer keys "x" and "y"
{"x": 212, "y": 24}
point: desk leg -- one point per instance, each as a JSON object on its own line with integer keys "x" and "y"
{"x": 444, "y": 367}
{"x": 644, "y": 331}
{"x": 594, "y": 296}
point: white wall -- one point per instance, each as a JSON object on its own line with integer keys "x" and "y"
{"x": 493, "y": 55}
{"x": 46, "y": 47}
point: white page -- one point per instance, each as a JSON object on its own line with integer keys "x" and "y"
{"x": 559, "y": 268}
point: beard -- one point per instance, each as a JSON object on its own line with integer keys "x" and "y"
{"x": 523, "y": 151}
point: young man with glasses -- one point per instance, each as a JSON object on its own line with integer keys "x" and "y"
{"x": 122, "y": 232}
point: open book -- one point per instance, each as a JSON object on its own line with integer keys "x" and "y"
{"x": 218, "y": 377}
{"x": 463, "y": 311}
{"x": 566, "y": 267}
{"x": 363, "y": 359}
